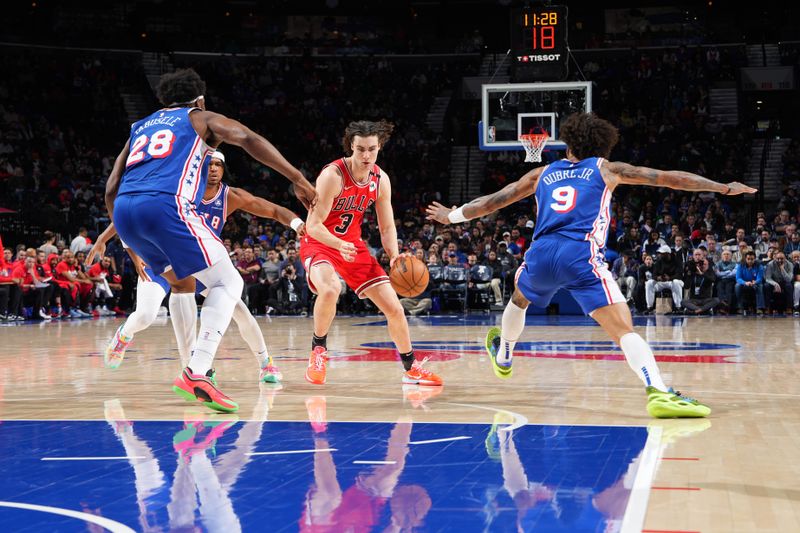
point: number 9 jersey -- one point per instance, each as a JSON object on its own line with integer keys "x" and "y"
{"x": 166, "y": 156}
{"x": 573, "y": 201}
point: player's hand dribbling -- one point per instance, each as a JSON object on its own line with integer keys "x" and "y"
{"x": 98, "y": 249}
{"x": 739, "y": 188}
{"x": 393, "y": 260}
{"x": 438, "y": 212}
{"x": 348, "y": 251}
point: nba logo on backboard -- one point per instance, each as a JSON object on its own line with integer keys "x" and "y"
{"x": 491, "y": 134}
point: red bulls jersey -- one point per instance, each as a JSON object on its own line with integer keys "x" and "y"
{"x": 347, "y": 211}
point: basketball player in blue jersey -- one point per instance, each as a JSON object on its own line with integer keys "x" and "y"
{"x": 218, "y": 202}
{"x": 573, "y": 197}
{"x": 151, "y": 195}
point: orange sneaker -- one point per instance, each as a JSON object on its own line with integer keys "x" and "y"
{"x": 315, "y": 373}
{"x": 316, "y": 406}
{"x": 421, "y": 376}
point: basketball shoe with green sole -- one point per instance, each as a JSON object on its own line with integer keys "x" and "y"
{"x": 492, "y": 347}
{"x": 672, "y": 404}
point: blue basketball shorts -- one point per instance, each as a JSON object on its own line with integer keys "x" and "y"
{"x": 554, "y": 262}
{"x": 165, "y": 230}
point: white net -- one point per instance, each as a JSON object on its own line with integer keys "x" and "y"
{"x": 534, "y": 144}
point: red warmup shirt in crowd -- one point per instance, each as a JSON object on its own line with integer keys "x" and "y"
{"x": 97, "y": 270}
{"x": 62, "y": 268}
{"x": 20, "y": 272}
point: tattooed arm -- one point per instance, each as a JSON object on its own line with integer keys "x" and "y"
{"x": 522, "y": 188}
{"x": 616, "y": 173}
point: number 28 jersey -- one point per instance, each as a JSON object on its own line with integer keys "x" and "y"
{"x": 349, "y": 206}
{"x": 573, "y": 201}
{"x": 166, "y": 155}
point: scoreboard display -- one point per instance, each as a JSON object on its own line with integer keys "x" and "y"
{"x": 539, "y": 44}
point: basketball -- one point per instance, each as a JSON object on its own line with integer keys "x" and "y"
{"x": 409, "y": 276}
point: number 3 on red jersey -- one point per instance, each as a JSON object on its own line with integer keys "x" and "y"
{"x": 160, "y": 146}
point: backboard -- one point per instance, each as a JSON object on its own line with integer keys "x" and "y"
{"x": 511, "y": 109}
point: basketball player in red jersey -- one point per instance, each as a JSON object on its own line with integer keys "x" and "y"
{"x": 346, "y": 188}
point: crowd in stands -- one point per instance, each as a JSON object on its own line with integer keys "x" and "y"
{"x": 657, "y": 98}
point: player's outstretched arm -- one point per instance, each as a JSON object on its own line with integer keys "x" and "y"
{"x": 113, "y": 181}
{"x": 241, "y": 199}
{"x": 329, "y": 184}
{"x": 222, "y": 129}
{"x": 99, "y": 247}
{"x": 522, "y": 188}
{"x": 627, "y": 174}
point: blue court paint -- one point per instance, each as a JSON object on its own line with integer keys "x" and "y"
{"x": 201, "y": 474}
{"x": 575, "y": 346}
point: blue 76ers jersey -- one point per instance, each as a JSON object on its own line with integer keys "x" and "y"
{"x": 573, "y": 201}
{"x": 215, "y": 211}
{"x": 166, "y": 156}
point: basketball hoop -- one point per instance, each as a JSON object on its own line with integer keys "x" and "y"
{"x": 534, "y": 144}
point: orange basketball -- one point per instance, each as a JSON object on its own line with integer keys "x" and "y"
{"x": 409, "y": 276}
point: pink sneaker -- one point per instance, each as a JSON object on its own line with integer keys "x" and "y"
{"x": 204, "y": 389}
{"x": 115, "y": 350}
{"x": 270, "y": 374}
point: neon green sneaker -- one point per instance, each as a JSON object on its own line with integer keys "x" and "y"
{"x": 672, "y": 404}
{"x": 492, "y": 347}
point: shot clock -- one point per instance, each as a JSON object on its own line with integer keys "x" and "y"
{"x": 539, "y": 43}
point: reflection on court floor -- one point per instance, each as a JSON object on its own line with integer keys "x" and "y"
{"x": 222, "y": 474}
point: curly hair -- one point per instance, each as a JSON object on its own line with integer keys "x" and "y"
{"x": 180, "y": 87}
{"x": 364, "y": 128}
{"x": 588, "y": 135}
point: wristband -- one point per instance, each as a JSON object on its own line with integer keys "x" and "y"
{"x": 296, "y": 223}
{"x": 457, "y": 216}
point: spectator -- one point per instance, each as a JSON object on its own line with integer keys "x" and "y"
{"x": 750, "y": 284}
{"x": 725, "y": 271}
{"x": 497, "y": 276}
{"x": 81, "y": 243}
{"x": 249, "y": 268}
{"x": 700, "y": 284}
{"x": 666, "y": 275}
{"x": 104, "y": 286}
{"x": 796, "y": 268}
{"x": 287, "y": 300}
{"x": 47, "y": 246}
{"x": 653, "y": 243}
{"x": 778, "y": 276}
{"x": 32, "y": 290}
{"x": 792, "y": 244}
{"x": 623, "y": 270}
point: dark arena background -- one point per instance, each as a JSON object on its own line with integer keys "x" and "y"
{"x": 573, "y": 441}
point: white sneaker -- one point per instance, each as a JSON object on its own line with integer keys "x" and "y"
{"x": 44, "y": 315}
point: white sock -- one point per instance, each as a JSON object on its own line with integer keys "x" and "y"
{"x": 641, "y": 360}
{"x": 183, "y": 314}
{"x": 149, "y": 296}
{"x": 224, "y": 290}
{"x": 251, "y": 333}
{"x": 510, "y": 330}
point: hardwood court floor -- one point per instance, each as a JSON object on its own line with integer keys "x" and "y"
{"x": 736, "y": 471}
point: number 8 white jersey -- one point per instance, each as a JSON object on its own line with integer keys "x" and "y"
{"x": 573, "y": 200}
{"x": 166, "y": 156}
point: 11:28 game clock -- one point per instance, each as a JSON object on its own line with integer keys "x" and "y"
{"x": 539, "y": 43}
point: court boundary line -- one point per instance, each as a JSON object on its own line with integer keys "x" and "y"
{"x": 636, "y": 509}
